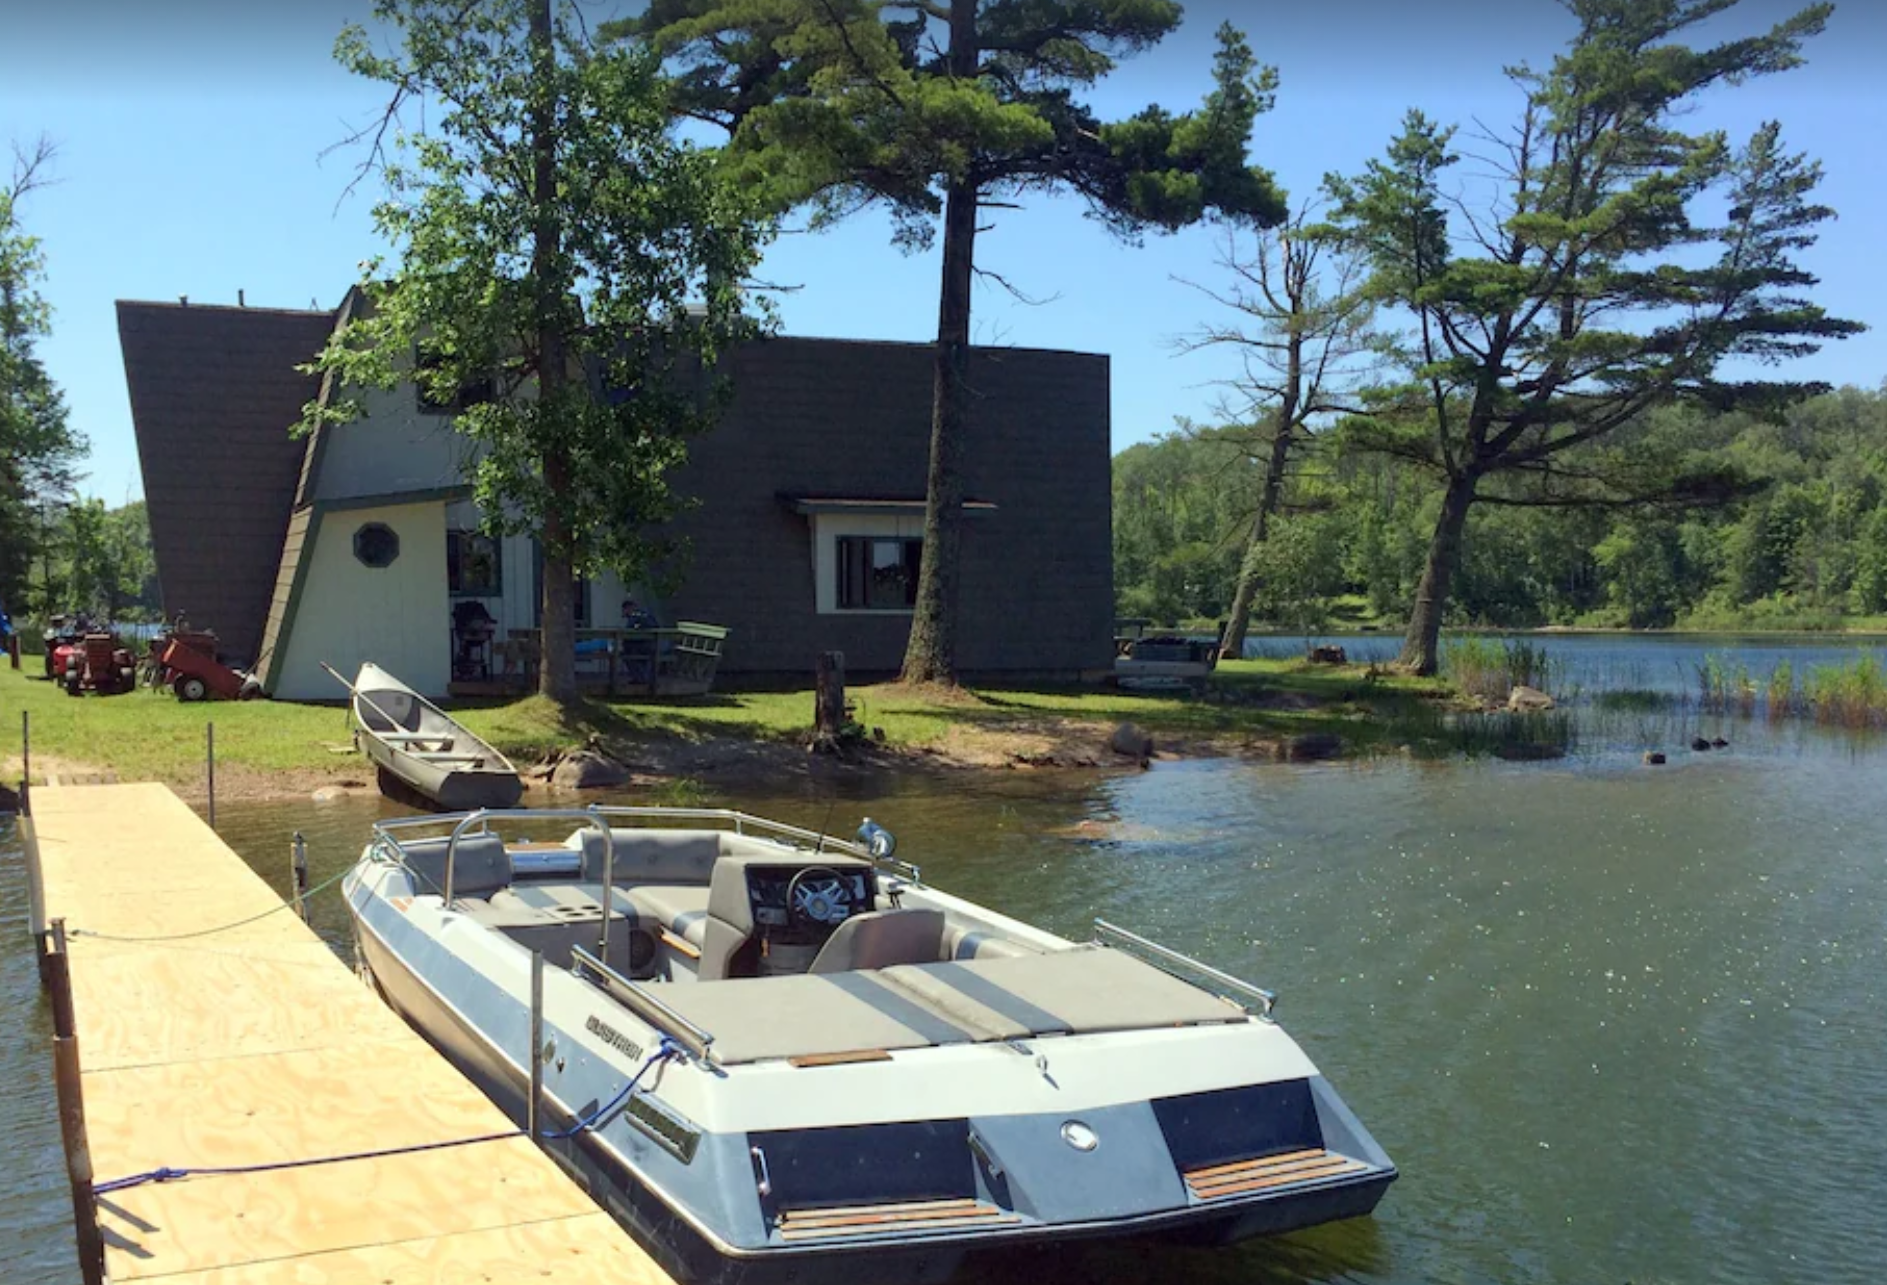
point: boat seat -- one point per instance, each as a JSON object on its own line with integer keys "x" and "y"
{"x": 679, "y": 907}
{"x": 1083, "y": 991}
{"x": 480, "y": 866}
{"x": 882, "y": 939}
{"x": 440, "y": 756}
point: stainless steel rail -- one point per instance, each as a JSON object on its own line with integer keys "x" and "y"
{"x": 742, "y": 823}
{"x": 1168, "y": 960}
{"x": 698, "y": 1042}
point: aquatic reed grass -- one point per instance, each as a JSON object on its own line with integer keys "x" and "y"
{"x": 1851, "y": 694}
{"x": 1489, "y": 668}
{"x": 1724, "y": 685}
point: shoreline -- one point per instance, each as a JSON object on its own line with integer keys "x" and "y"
{"x": 667, "y": 764}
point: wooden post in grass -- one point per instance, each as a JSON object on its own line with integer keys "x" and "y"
{"x": 828, "y": 715}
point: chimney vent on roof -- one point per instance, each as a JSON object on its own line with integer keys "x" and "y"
{"x": 239, "y": 299}
{"x": 184, "y": 299}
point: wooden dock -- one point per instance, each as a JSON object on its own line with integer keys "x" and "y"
{"x": 256, "y": 1045}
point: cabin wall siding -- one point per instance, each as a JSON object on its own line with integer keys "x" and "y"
{"x": 831, "y": 418}
{"x": 396, "y": 616}
{"x": 392, "y": 449}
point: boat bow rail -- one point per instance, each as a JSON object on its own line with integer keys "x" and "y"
{"x": 875, "y": 847}
{"x": 1253, "y": 999}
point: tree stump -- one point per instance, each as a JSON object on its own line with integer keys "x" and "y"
{"x": 828, "y": 715}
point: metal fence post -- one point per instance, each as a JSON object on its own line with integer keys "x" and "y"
{"x": 537, "y": 1047}
{"x": 298, "y": 863}
{"x": 209, "y": 765}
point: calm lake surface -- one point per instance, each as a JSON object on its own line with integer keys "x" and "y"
{"x": 1615, "y": 1023}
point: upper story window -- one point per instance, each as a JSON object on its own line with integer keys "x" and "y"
{"x": 473, "y": 393}
{"x": 878, "y": 573}
{"x": 474, "y": 565}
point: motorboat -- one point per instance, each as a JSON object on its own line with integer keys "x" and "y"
{"x": 424, "y": 750}
{"x": 781, "y": 1056}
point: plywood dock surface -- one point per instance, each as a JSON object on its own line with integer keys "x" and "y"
{"x": 255, "y": 1046}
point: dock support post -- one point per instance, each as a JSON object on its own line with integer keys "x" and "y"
{"x": 298, "y": 863}
{"x": 69, "y": 1087}
{"x": 209, "y": 766}
{"x": 26, "y": 760}
{"x": 537, "y": 1047}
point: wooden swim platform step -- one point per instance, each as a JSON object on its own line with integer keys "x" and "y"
{"x": 256, "y": 1045}
{"x": 1241, "y": 1177}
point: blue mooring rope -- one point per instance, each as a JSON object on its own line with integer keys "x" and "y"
{"x": 164, "y": 1173}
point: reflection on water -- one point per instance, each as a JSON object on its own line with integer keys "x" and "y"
{"x": 1614, "y": 1022}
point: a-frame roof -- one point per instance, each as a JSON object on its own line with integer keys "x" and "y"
{"x": 214, "y": 393}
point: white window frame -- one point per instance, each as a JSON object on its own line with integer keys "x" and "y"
{"x": 828, "y": 528}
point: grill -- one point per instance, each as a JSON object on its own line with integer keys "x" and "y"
{"x": 909, "y": 1216}
{"x": 1215, "y": 1182}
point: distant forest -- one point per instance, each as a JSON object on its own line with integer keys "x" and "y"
{"x": 1801, "y": 544}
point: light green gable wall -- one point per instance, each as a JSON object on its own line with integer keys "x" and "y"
{"x": 399, "y": 617}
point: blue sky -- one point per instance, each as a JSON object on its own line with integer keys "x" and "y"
{"x": 191, "y": 139}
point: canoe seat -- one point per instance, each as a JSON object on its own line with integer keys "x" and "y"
{"x": 441, "y": 757}
{"x": 415, "y": 738}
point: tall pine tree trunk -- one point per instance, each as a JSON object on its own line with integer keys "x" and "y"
{"x": 931, "y": 655}
{"x": 557, "y": 661}
{"x": 1421, "y": 645}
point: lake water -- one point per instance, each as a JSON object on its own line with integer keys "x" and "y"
{"x": 1614, "y": 1022}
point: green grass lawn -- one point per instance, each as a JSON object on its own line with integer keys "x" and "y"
{"x": 152, "y": 736}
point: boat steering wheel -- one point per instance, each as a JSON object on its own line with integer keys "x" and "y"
{"x": 819, "y": 895}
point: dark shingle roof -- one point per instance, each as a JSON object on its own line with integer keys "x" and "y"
{"x": 214, "y": 392}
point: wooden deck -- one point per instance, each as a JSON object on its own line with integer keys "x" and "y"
{"x": 257, "y": 1045}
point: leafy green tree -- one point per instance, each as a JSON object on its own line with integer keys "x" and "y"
{"x": 559, "y": 245}
{"x": 1575, "y": 298}
{"x": 39, "y": 450}
{"x": 1296, "y": 571}
{"x": 1179, "y": 502}
{"x": 946, "y": 110}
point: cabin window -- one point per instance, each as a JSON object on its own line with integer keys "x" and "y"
{"x": 472, "y": 393}
{"x": 376, "y": 545}
{"x": 878, "y": 573}
{"x": 474, "y": 566}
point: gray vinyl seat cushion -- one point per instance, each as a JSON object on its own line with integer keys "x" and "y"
{"x": 1087, "y": 990}
{"x": 682, "y": 908}
{"x": 480, "y": 865}
{"x": 800, "y": 1015}
{"x": 881, "y": 939}
{"x": 1084, "y": 991}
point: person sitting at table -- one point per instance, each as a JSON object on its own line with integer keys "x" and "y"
{"x": 635, "y": 616}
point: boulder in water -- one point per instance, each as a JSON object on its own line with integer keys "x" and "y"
{"x": 1129, "y": 741}
{"x": 588, "y": 770}
{"x": 1699, "y": 743}
{"x": 1654, "y": 757}
{"x": 1312, "y": 747}
{"x": 1528, "y": 700}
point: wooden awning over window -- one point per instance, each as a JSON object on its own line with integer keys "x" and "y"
{"x": 811, "y": 505}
